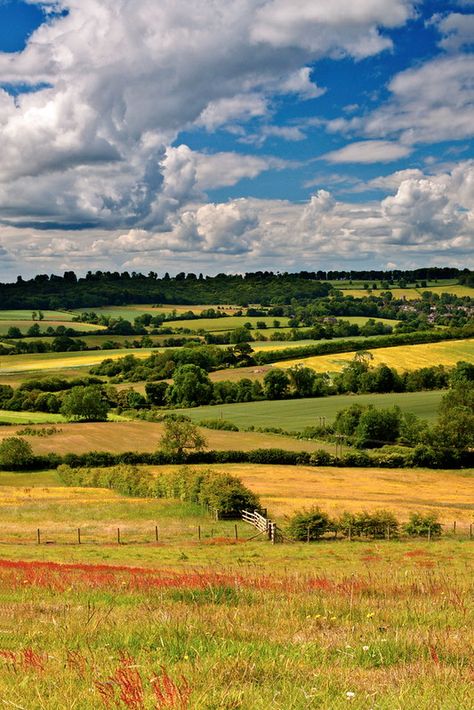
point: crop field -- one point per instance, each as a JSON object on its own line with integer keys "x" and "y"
{"x": 295, "y": 414}
{"x": 223, "y": 624}
{"x": 411, "y": 294}
{"x": 283, "y": 344}
{"x": 119, "y": 436}
{"x": 25, "y": 315}
{"x": 402, "y": 357}
{"x": 44, "y": 325}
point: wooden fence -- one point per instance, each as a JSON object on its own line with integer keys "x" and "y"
{"x": 264, "y": 525}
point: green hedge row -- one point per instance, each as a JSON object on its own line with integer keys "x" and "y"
{"x": 218, "y": 492}
{"x": 420, "y": 456}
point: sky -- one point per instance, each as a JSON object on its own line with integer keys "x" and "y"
{"x": 235, "y": 135}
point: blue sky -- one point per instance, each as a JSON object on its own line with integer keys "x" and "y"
{"x": 235, "y": 134}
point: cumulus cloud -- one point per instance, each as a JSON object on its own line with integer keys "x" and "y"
{"x": 118, "y": 81}
{"x": 457, "y": 31}
{"x": 368, "y": 152}
{"x": 428, "y": 104}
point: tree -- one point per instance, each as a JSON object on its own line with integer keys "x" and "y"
{"x": 180, "y": 436}
{"x": 455, "y": 427}
{"x": 276, "y": 384}
{"x": 191, "y": 386}
{"x": 156, "y": 393}
{"x": 85, "y": 403}
{"x": 303, "y": 380}
{"x": 15, "y": 453}
{"x": 377, "y": 427}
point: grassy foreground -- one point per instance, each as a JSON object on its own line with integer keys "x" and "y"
{"x": 219, "y": 624}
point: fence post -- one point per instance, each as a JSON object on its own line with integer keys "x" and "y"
{"x": 199, "y": 532}
{"x": 236, "y": 533}
{"x": 38, "y": 536}
{"x": 118, "y": 536}
{"x": 429, "y": 533}
{"x": 454, "y": 528}
{"x": 156, "y": 533}
{"x": 78, "y": 536}
{"x": 470, "y": 531}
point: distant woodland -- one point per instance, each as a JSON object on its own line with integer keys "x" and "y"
{"x": 103, "y": 288}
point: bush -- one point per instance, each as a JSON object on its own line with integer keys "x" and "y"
{"x": 321, "y": 458}
{"x": 375, "y": 524}
{"x": 421, "y": 525}
{"x": 308, "y": 524}
{"x": 15, "y": 453}
{"x": 219, "y": 424}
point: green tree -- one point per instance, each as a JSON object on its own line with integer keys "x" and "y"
{"x": 85, "y": 403}
{"x": 181, "y": 436}
{"x": 455, "y": 426}
{"x": 191, "y": 386}
{"x": 276, "y": 384}
{"x": 377, "y": 427}
{"x": 15, "y": 453}
{"x": 302, "y": 379}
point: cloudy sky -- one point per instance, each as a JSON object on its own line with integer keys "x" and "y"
{"x": 233, "y": 135}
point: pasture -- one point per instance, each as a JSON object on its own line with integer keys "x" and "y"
{"x": 284, "y": 489}
{"x": 215, "y": 325}
{"x": 402, "y": 357}
{"x": 295, "y": 414}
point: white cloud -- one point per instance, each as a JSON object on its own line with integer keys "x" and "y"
{"x": 368, "y": 152}
{"x": 335, "y": 28}
{"x": 457, "y": 30}
{"x": 125, "y": 78}
{"x": 430, "y": 103}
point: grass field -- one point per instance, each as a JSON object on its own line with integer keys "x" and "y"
{"x": 24, "y": 325}
{"x": 131, "y": 311}
{"x": 295, "y": 414}
{"x": 25, "y": 315}
{"x": 402, "y": 357}
{"x": 215, "y": 325}
{"x": 212, "y": 625}
{"x": 117, "y": 436}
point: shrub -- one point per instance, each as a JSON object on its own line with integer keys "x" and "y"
{"x": 15, "y": 453}
{"x": 308, "y": 524}
{"x": 375, "y": 524}
{"x": 321, "y": 458}
{"x": 219, "y": 424}
{"x": 420, "y": 525}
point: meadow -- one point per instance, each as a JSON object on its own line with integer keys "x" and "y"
{"x": 410, "y": 293}
{"x": 295, "y": 414}
{"x": 224, "y": 624}
{"x": 36, "y": 362}
{"x": 401, "y": 357}
{"x": 131, "y": 311}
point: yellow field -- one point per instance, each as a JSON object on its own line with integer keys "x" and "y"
{"x": 411, "y": 294}
{"x": 145, "y": 436}
{"x": 403, "y": 357}
{"x": 284, "y": 489}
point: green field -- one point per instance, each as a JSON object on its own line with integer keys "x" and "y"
{"x": 215, "y": 325}
{"x": 9, "y": 417}
{"x": 131, "y": 311}
{"x": 25, "y": 315}
{"x": 295, "y": 414}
